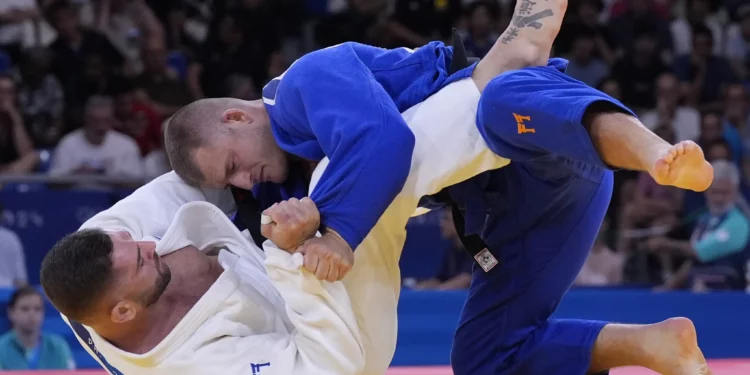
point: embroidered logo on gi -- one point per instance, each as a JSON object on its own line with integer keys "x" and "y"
{"x": 521, "y": 125}
{"x": 257, "y": 366}
{"x": 486, "y": 260}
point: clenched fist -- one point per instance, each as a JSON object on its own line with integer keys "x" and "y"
{"x": 328, "y": 257}
{"x": 292, "y": 222}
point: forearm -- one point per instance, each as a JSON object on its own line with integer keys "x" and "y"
{"x": 622, "y": 141}
{"x": 25, "y": 164}
{"x": 683, "y": 248}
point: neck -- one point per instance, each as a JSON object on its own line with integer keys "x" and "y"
{"x": 29, "y": 340}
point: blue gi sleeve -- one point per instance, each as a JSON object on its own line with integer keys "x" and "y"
{"x": 356, "y": 124}
{"x": 536, "y": 111}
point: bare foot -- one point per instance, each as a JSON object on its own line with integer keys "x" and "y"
{"x": 684, "y": 166}
{"x": 673, "y": 346}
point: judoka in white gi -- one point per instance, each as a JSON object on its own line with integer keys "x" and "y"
{"x": 145, "y": 305}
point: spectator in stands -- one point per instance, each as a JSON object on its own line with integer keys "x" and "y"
{"x": 17, "y": 153}
{"x": 699, "y": 12}
{"x": 481, "y": 36}
{"x": 139, "y": 121}
{"x": 13, "y": 265}
{"x": 455, "y": 269}
{"x": 584, "y": 65}
{"x": 639, "y": 15}
{"x": 738, "y": 43}
{"x": 737, "y": 110}
{"x": 713, "y": 130}
{"x": 16, "y": 24}
{"x": 159, "y": 86}
{"x": 365, "y": 22}
{"x": 417, "y": 22}
{"x": 588, "y": 14}
{"x": 71, "y": 51}
{"x": 636, "y": 72}
{"x": 611, "y": 87}
{"x": 224, "y": 54}
{"x": 718, "y": 150}
{"x": 685, "y": 121}
{"x": 652, "y": 203}
{"x": 96, "y": 149}
{"x": 41, "y": 98}
{"x": 702, "y": 74}
{"x": 128, "y": 24}
{"x": 26, "y": 347}
{"x": 603, "y": 266}
{"x": 718, "y": 248}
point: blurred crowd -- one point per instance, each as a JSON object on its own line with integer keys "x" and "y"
{"x": 85, "y": 86}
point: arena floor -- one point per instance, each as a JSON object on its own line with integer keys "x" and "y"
{"x": 719, "y": 367}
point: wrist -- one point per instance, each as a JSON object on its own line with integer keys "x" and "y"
{"x": 337, "y": 237}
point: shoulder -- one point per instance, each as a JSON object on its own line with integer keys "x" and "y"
{"x": 9, "y": 237}
{"x": 56, "y": 340}
{"x": 122, "y": 140}
{"x": 72, "y": 139}
{"x": 6, "y": 339}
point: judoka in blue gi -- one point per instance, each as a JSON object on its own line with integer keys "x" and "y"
{"x": 538, "y": 216}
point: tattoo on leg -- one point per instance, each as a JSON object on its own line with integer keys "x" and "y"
{"x": 525, "y": 18}
{"x": 532, "y": 20}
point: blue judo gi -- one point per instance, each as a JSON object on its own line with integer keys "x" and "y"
{"x": 539, "y": 215}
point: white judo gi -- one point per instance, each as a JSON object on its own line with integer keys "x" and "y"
{"x": 265, "y": 315}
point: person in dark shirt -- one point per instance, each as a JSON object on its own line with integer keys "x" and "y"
{"x": 586, "y": 17}
{"x": 417, "y": 22}
{"x": 702, "y": 74}
{"x": 16, "y": 150}
{"x": 73, "y": 47}
{"x": 482, "y": 21}
{"x": 638, "y": 70}
{"x": 159, "y": 86}
{"x": 224, "y": 54}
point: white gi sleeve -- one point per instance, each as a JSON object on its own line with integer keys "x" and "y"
{"x": 150, "y": 209}
{"x": 327, "y": 338}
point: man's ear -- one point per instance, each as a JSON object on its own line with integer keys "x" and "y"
{"x": 236, "y": 115}
{"x": 123, "y": 312}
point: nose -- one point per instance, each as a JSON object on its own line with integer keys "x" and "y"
{"x": 148, "y": 249}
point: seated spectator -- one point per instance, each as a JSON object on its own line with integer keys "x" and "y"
{"x": 702, "y": 74}
{"x": 699, "y": 12}
{"x": 737, "y": 110}
{"x": 603, "y": 266}
{"x": 16, "y": 24}
{"x": 159, "y": 86}
{"x": 588, "y": 14}
{"x": 224, "y": 54}
{"x": 718, "y": 150}
{"x": 583, "y": 65}
{"x": 41, "y": 98}
{"x": 685, "y": 121}
{"x": 637, "y": 71}
{"x": 718, "y": 248}
{"x": 738, "y": 44}
{"x": 641, "y": 14}
{"x": 136, "y": 119}
{"x": 611, "y": 87}
{"x": 455, "y": 270}
{"x": 127, "y": 24}
{"x": 13, "y": 267}
{"x": 713, "y": 130}
{"x": 72, "y": 48}
{"x": 25, "y": 346}
{"x": 17, "y": 153}
{"x": 96, "y": 149}
{"x": 481, "y": 35}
